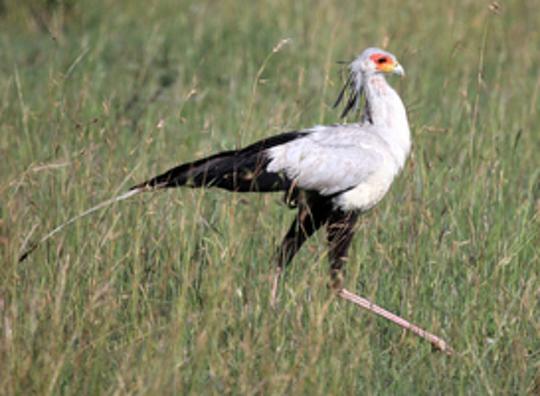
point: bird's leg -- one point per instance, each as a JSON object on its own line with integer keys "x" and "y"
{"x": 362, "y": 302}
{"x": 310, "y": 217}
{"x": 340, "y": 229}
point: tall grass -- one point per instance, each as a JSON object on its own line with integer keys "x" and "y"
{"x": 169, "y": 293}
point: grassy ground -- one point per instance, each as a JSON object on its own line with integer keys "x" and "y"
{"x": 169, "y": 293}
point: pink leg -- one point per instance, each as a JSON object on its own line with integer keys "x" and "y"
{"x": 366, "y": 304}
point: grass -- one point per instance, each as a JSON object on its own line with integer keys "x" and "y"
{"x": 169, "y": 293}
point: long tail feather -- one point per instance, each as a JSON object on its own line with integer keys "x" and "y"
{"x": 102, "y": 205}
{"x": 241, "y": 170}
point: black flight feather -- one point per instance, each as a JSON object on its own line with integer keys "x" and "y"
{"x": 242, "y": 170}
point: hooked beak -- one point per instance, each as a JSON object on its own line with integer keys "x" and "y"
{"x": 398, "y": 69}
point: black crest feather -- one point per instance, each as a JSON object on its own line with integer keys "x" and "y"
{"x": 354, "y": 92}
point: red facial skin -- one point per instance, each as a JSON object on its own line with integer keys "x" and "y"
{"x": 382, "y": 62}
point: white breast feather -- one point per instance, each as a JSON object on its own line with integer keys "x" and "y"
{"x": 367, "y": 194}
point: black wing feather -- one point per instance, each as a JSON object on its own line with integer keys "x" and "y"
{"x": 240, "y": 170}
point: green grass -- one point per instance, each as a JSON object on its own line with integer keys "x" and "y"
{"x": 169, "y": 293}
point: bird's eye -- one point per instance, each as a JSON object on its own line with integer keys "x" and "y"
{"x": 382, "y": 60}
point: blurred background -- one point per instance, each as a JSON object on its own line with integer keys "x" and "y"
{"x": 169, "y": 293}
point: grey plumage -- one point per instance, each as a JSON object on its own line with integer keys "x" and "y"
{"x": 331, "y": 159}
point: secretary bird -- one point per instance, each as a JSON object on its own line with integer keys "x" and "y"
{"x": 332, "y": 174}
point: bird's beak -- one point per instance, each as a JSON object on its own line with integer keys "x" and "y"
{"x": 398, "y": 69}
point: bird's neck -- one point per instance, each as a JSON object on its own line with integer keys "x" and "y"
{"x": 385, "y": 110}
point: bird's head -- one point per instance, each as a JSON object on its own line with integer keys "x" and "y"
{"x": 376, "y": 61}
{"x": 370, "y": 62}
